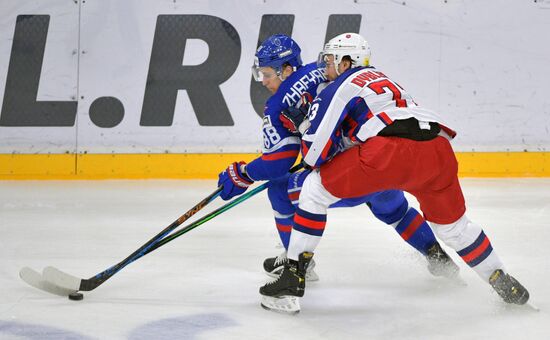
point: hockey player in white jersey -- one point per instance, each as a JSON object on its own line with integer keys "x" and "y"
{"x": 391, "y": 143}
{"x": 278, "y": 65}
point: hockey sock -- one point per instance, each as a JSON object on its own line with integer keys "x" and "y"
{"x": 471, "y": 243}
{"x": 306, "y": 233}
{"x": 414, "y": 229}
{"x": 283, "y": 210}
{"x": 284, "y": 227}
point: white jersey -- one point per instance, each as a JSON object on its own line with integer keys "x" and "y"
{"x": 355, "y": 107}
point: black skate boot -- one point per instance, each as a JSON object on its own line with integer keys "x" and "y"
{"x": 440, "y": 264}
{"x": 273, "y": 267}
{"x": 282, "y": 294}
{"x": 509, "y": 289}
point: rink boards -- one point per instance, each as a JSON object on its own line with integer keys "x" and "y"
{"x": 163, "y": 89}
{"x": 207, "y": 166}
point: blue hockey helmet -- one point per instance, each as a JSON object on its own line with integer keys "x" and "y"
{"x": 274, "y": 52}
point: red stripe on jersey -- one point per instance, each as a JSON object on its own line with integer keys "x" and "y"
{"x": 324, "y": 154}
{"x": 306, "y": 222}
{"x": 280, "y": 155}
{"x": 353, "y": 125}
{"x": 478, "y": 251}
{"x": 369, "y": 115}
{"x": 293, "y": 196}
{"x": 411, "y": 229}
{"x": 450, "y": 132}
{"x": 385, "y": 118}
{"x": 284, "y": 228}
{"x": 305, "y": 148}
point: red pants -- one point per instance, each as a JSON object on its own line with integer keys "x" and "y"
{"x": 428, "y": 170}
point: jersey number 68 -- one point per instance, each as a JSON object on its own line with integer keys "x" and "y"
{"x": 271, "y": 137}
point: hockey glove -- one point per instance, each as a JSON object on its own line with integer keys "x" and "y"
{"x": 293, "y": 117}
{"x": 234, "y": 180}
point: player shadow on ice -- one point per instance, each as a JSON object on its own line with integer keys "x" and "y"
{"x": 30, "y": 331}
{"x": 187, "y": 327}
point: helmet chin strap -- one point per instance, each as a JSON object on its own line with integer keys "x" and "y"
{"x": 336, "y": 67}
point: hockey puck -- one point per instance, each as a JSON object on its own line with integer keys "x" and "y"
{"x": 76, "y": 296}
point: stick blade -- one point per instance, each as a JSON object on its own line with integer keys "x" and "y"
{"x": 61, "y": 279}
{"x": 35, "y": 279}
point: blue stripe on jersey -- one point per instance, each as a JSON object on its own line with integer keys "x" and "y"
{"x": 353, "y": 115}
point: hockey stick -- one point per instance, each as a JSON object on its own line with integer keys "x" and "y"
{"x": 208, "y": 217}
{"x": 73, "y": 284}
{"x": 216, "y": 212}
{"x": 63, "y": 280}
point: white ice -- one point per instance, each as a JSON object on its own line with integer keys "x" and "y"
{"x": 204, "y": 285}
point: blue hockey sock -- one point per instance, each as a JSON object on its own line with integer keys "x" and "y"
{"x": 414, "y": 229}
{"x": 284, "y": 227}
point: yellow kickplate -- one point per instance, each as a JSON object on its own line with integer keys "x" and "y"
{"x": 207, "y": 166}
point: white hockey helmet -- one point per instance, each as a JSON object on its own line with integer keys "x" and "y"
{"x": 347, "y": 44}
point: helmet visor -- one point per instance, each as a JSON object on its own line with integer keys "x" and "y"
{"x": 261, "y": 73}
{"x": 325, "y": 59}
{"x": 258, "y": 76}
{"x": 321, "y": 63}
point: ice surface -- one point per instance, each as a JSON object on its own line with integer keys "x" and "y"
{"x": 204, "y": 285}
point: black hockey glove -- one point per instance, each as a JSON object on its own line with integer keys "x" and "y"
{"x": 293, "y": 117}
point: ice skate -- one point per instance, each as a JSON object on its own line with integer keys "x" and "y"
{"x": 440, "y": 264}
{"x": 282, "y": 294}
{"x": 273, "y": 267}
{"x": 509, "y": 289}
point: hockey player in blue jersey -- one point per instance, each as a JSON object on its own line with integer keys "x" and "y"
{"x": 278, "y": 65}
{"x": 364, "y": 133}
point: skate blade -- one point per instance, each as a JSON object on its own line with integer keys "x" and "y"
{"x": 532, "y": 306}
{"x": 311, "y": 276}
{"x": 283, "y": 304}
{"x": 529, "y": 305}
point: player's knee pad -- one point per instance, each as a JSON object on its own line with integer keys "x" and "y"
{"x": 389, "y": 206}
{"x": 314, "y": 198}
{"x": 294, "y": 185}
{"x": 278, "y": 196}
{"x": 458, "y": 235}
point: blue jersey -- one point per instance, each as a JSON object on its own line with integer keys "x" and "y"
{"x": 280, "y": 146}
